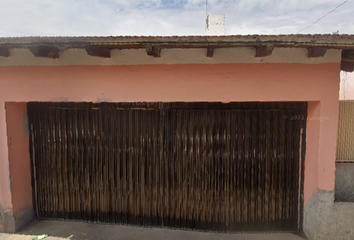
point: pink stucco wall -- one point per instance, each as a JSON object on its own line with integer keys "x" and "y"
{"x": 312, "y": 143}
{"x": 5, "y": 183}
{"x": 18, "y": 150}
{"x": 317, "y": 83}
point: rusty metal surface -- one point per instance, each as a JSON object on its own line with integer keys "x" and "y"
{"x": 205, "y": 166}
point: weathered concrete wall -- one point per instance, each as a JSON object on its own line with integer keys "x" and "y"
{"x": 310, "y": 217}
{"x": 330, "y": 218}
{"x": 2, "y": 219}
{"x": 334, "y": 220}
{"x": 344, "y": 191}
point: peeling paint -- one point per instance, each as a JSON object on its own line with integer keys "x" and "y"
{"x": 25, "y": 123}
{"x": 61, "y": 99}
{"x": 104, "y": 100}
{"x": 1, "y": 213}
{"x": 8, "y": 174}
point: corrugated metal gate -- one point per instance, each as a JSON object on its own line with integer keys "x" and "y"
{"x": 208, "y": 166}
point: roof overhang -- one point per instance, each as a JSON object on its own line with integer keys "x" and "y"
{"x": 316, "y": 45}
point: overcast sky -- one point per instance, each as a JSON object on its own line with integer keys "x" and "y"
{"x": 170, "y": 17}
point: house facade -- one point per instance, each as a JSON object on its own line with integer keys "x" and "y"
{"x": 230, "y": 133}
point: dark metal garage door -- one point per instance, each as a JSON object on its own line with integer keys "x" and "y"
{"x": 209, "y": 166}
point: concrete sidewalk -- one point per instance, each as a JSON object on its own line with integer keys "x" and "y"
{"x": 59, "y": 230}
{"x": 23, "y": 237}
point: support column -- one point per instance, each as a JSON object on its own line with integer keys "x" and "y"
{"x": 319, "y": 210}
{"x": 311, "y": 169}
{"x": 7, "y": 223}
{"x": 16, "y": 188}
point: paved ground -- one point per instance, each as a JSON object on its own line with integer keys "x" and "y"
{"x": 23, "y": 237}
{"x": 59, "y": 230}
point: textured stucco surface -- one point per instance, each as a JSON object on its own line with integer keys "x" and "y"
{"x": 23, "y": 217}
{"x": 2, "y": 219}
{"x": 9, "y": 226}
{"x": 310, "y": 218}
{"x": 326, "y": 220}
{"x": 344, "y": 191}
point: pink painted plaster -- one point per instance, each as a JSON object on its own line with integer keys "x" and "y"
{"x": 5, "y": 188}
{"x": 19, "y": 157}
{"x": 311, "y": 156}
{"x": 210, "y": 82}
